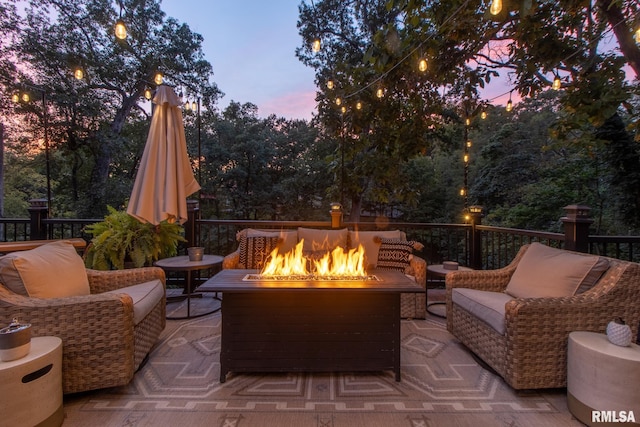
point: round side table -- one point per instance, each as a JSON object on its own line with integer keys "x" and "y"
{"x": 31, "y": 387}
{"x": 182, "y": 263}
{"x": 602, "y": 376}
{"x": 438, "y": 270}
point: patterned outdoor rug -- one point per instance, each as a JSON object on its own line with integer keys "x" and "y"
{"x": 440, "y": 379}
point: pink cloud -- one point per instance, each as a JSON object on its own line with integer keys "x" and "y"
{"x": 294, "y": 105}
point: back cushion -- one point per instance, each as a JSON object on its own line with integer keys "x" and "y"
{"x": 316, "y": 241}
{"x": 53, "y": 270}
{"x": 544, "y": 271}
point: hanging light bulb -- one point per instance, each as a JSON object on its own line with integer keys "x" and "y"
{"x": 463, "y": 191}
{"x": 315, "y": 46}
{"x": 158, "y": 78}
{"x": 467, "y": 121}
{"x": 187, "y": 105}
{"x": 359, "y": 105}
{"x": 343, "y": 109}
{"x": 483, "y": 115}
{"x": 556, "y": 83}
{"x": 26, "y": 97}
{"x": 15, "y": 97}
{"x": 636, "y": 36}
{"x": 422, "y": 65}
{"x": 147, "y": 93}
{"x": 496, "y": 7}
{"x": 469, "y": 143}
{"x": 338, "y": 101}
{"x": 78, "y": 73}
{"x": 380, "y": 92}
{"x": 194, "y": 106}
{"x": 121, "y": 30}
{"x": 466, "y": 158}
{"x": 330, "y": 84}
{"x": 509, "y": 104}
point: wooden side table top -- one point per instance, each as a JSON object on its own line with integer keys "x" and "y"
{"x": 438, "y": 269}
{"x": 182, "y": 263}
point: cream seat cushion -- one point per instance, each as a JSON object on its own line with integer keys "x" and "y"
{"x": 544, "y": 271}
{"x": 486, "y": 306}
{"x": 145, "y": 297}
{"x": 53, "y": 270}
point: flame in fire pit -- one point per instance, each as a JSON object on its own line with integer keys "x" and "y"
{"x": 335, "y": 264}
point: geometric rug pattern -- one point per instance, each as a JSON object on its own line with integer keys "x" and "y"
{"x": 439, "y": 376}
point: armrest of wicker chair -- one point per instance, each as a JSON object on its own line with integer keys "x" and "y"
{"x": 111, "y": 280}
{"x": 418, "y": 269}
{"x": 231, "y": 261}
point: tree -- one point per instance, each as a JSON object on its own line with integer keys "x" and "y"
{"x": 377, "y": 124}
{"x": 88, "y": 116}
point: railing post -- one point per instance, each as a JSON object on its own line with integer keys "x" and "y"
{"x": 576, "y": 228}
{"x": 38, "y": 211}
{"x": 336, "y": 215}
{"x": 190, "y": 227}
{"x": 475, "y": 256}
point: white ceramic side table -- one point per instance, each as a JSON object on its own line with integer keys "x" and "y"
{"x": 602, "y": 377}
{"x": 31, "y": 387}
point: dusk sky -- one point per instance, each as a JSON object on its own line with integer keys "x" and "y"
{"x": 251, "y": 46}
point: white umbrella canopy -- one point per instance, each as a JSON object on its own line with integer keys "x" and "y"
{"x": 164, "y": 178}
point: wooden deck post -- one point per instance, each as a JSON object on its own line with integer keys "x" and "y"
{"x": 576, "y": 228}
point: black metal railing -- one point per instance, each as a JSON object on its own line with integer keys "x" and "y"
{"x": 472, "y": 244}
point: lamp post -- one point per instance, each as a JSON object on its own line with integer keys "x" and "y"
{"x": 45, "y": 124}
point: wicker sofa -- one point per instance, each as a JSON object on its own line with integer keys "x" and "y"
{"x": 412, "y": 305}
{"x": 106, "y": 333}
{"x": 524, "y": 339}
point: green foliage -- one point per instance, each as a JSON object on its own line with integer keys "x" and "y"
{"x": 121, "y": 238}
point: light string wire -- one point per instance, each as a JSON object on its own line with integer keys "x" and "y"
{"x": 452, "y": 16}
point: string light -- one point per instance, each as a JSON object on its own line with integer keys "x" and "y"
{"x": 26, "y": 97}
{"x": 469, "y": 143}
{"x": 358, "y": 105}
{"x": 509, "y": 104}
{"x": 380, "y": 92}
{"x": 330, "y": 84}
{"x": 483, "y": 114}
{"x": 121, "y": 30}
{"x": 338, "y": 101}
{"x": 147, "y": 93}
{"x": 422, "y": 65}
{"x": 496, "y": 7}
{"x": 315, "y": 45}
{"x": 637, "y": 35}
{"x": 78, "y": 73}
{"x": 158, "y": 78}
{"x": 194, "y": 106}
{"x": 15, "y": 97}
{"x": 465, "y": 158}
{"x": 556, "y": 83}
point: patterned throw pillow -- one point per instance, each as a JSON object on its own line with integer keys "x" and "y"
{"x": 395, "y": 254}
{"x": 255, "y": 250}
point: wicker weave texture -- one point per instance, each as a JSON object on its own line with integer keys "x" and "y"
{"x": 100, "y": 345}
{"x": 533, "y": 351}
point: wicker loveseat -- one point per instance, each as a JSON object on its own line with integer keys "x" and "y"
{"x": 106, "y": 333}
{"x": 524, "y": 339}
{"x": 412, "y": 305}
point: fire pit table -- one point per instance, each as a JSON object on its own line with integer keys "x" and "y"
{"x": 309, "y": 325}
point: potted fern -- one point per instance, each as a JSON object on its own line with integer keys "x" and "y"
{"x": 121, "y": 241}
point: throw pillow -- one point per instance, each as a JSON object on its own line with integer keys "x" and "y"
{"x": 53, "y": 270}
{"x": 370, "y": 241}
{"x": 544, "y": 271}
{"x": 322, "y": 240}
{"x": 257, "y": 250}
{"x": 395, "y": 254}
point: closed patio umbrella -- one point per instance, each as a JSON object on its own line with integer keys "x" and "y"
{"x": 164, "y": 178}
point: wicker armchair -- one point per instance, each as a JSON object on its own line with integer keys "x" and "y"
{"x": 101, "y": 345}
{"x": 532, "y": 353}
